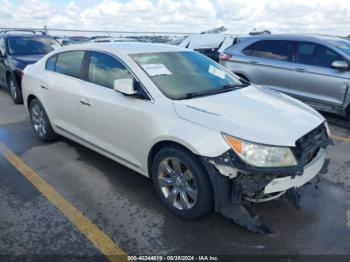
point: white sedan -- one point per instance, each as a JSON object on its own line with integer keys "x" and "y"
{"x": 206, "y": 138}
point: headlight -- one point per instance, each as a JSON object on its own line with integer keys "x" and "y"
{"x": 261, "y": 155}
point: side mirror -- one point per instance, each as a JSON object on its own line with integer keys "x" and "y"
{"x": 340, "y": 65}
{"x": 125, "y": 86}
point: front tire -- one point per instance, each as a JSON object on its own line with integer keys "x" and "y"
{"x": 181, "y": 182}
{"x": 40, "y": 122}
{"x": 15, "y": 90}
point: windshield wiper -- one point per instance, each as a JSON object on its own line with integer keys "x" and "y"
{"x": 223, "y": 89}
{"x": 195, "y": 94}
{"x": 234, "y": 86}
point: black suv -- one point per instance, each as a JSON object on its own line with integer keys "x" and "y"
{"x": 17, "y": 50}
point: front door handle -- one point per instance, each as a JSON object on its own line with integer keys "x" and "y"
{"x": 300, "y": 70}
{"x": 85, "y": 102}
{"x": 253, "y": 62}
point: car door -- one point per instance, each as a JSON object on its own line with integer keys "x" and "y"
{"x": 62, "y": 91}
{"x": 269, "y": 63}
{"x": 2, "y": 63}
{"x": 112, "y": 121}
{"x": 314, "y": 79}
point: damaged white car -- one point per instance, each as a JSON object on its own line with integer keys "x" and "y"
{"x": 205, "y": 138}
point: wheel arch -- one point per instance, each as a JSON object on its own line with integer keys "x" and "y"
{"x": 158, "y": 146}
{"x": 30, "y": 99}
{"x": 166, "y": 143}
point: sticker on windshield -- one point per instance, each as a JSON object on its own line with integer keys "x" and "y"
{"x": 156, "y": 69}
{"x": 216, "y": 72}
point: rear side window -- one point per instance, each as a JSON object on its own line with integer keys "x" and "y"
{"x": 69, "y": 63}
{"x": 271, "y": 49}
{"x": 51, "y": 63}
{"x": 104, "y": 69}
{"x": 316, "y": 55}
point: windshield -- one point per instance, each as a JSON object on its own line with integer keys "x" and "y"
{"x": 182, "y": 75}
{"x": 343, "y": 45}
{"x": 30, "y": 45}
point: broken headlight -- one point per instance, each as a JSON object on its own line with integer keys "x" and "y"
{"x": 261, "y": 155}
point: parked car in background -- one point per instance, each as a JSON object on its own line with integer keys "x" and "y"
{"x": 65, "y": 41}
{"x": 204, "y": 136}
{"x": 113, "y": 39}
{"x": 17, "y": 50}
{"x": 209, "y": 44}
{"x": 312, "y": 68}
{"x": 80, "y": 39}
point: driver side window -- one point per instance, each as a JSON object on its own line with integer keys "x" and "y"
{"x": 104, "y": 69}
{"x": 316, "y": 55}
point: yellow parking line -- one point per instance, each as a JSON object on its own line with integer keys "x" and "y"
{"x": 341, "y": 138}
{"x": 99, "y": 239}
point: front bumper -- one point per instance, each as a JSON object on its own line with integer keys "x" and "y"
{"x": 237, "y": 187}
{"x": 234, "y": 200}
{"x": 310, "y": 171}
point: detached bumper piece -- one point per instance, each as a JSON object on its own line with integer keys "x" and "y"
{"x": 228, "y": 203}
{"x": 238, "y": 187}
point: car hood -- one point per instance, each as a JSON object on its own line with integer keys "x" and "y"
{"x": 253, "y": 113}
{"x": 21, "y": 61}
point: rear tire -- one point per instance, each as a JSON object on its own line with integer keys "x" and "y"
{"x": 15, "y": 90}
{"x": 181, "y": 182}
{"x": 40, "y": 122}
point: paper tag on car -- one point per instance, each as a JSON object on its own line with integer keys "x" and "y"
{"x": 216, "y": 72}
{"x": 156, "y": 69}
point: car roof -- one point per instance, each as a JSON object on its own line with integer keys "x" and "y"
{"x": 124, "y": 47}
{"x": 296, "y": 37}
{"x": 8, "y": 35}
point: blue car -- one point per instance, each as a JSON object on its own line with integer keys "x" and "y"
{"x": 17, "y": 50}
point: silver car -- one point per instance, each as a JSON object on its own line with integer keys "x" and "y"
{"x": 312, "y": 68}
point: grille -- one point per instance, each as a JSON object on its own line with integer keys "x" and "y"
{"x": 308, "y": 146}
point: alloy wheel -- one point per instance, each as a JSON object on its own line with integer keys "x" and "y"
{"x": 177, "y": 183}
{"x": 38, "y": 120}
{"x": 13, "y": 89}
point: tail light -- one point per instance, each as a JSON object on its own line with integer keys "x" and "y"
{"x": 224, "y": 57}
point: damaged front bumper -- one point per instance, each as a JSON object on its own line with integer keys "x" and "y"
{"x": 311, "y": 170}
{"x": 238, "y": 187}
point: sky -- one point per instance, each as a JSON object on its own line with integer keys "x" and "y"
{"x": 238, "y": 16}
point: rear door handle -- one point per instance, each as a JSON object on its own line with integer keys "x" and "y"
{"x": 44, "y": 87}
{"x": 300, "y": 70}
{"x": 85, "y": 102}
{"x": 253, "y": 62}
